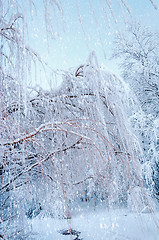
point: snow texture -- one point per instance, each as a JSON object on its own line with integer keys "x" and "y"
{"x": 99, "y": 224}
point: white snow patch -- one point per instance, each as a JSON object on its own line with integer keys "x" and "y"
{"x": 100, "y": 225}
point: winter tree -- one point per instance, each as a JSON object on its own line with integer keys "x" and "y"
{"x": 74, "y": 144}
{"x": 138, "y": 52}
{"x": 64, "y": 146}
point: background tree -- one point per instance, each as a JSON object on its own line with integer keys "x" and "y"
{"x": 138, "y": 52}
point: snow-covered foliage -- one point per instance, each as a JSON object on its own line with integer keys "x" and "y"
{"x": 138, "y": 50}
{"x": 71, "y": 145}
{"x": 61, "y": 147}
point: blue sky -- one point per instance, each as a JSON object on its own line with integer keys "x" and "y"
{"x": 74, "y": 40}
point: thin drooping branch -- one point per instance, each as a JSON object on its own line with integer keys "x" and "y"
{"x": 82, "y": 181}
{"x": 154, "y": 4}
{"x": 39, "y": 162}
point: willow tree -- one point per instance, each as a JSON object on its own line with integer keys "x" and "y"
{"x": 60, "y": 146}
{"x": 73, "y": 145}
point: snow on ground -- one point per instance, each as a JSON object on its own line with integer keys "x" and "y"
{"x": 99, "y": 225}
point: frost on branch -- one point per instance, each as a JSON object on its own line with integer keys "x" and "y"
{"x": 70, "y": 145}
{"x": 138, "y": 50}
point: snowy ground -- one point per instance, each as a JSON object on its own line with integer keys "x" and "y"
{"x": 99, "y": 225}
